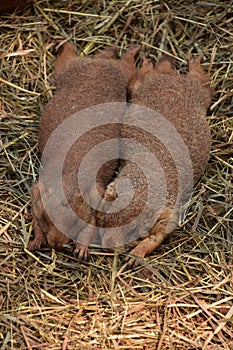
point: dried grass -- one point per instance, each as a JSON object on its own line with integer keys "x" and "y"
{"x": 179, "y": 298}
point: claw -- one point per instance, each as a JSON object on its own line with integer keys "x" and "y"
{"x": 132, "y": 262}
{"x": 36, "y": 243}
{"x": 81, "y": 252}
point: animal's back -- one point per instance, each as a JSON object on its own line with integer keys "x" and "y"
{"x": 86, "y": 82}
{"x": 81, "y": 83}
{"x": 181, "y": 100}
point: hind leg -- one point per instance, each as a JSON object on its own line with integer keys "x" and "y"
{"x": 65, "y": 55}
{"x": 158, "y": 233}
{"x": 39, "y": 239}
{"x": 84, "y": 239}
{"x": 39, "y": 223}
{"x": 55, "y": 238}
{"x": 83, "y": 229}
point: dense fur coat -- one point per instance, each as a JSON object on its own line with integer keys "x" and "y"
{"x": 81, "y": 82}
{"x": 183, "y": 100}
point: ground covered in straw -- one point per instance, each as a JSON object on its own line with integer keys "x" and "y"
{"x": 181, "y": 297}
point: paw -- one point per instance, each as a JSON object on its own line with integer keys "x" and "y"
{"x": 37, "y": 243}
{"x": 81, "y": 252}
{"x": 132, "y": 262}
{"x": 135, "y": 257}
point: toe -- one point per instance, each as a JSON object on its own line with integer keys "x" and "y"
{"x": 132, "y": 262}
{"x": 36, "y": 244}
{"x": 81, "y": 252}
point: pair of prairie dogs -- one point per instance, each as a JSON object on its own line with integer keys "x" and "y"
{"x": 181, "y": 99}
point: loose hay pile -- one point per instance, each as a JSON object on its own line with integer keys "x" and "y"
{"x": 182, "y": 296}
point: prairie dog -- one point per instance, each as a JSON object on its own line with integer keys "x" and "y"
{"x": 81, "y": 82}
{"x": 183, "y": 101}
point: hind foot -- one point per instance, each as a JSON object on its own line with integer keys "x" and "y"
{"x": 39, "y": 238}
{"x": 158, "y": 233}
{"x": 81, "y": 252}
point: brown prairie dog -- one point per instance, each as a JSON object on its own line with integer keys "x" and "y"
{"x": 81, "y": 82}
{"x": 183, "y": 101}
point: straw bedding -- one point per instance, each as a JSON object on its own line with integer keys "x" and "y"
{"x": 181, "y": 296}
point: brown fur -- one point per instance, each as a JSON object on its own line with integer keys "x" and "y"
{"x": 183, "y": 100}
{"x": 81, "y": 82}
